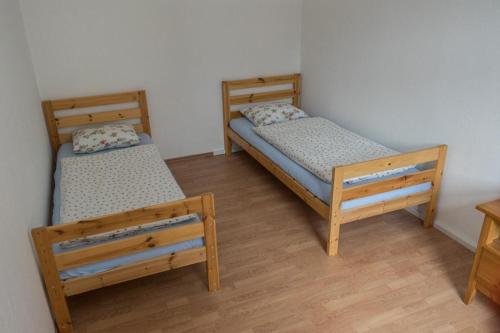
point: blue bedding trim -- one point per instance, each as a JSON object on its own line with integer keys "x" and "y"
{"x": 315, "y": 185}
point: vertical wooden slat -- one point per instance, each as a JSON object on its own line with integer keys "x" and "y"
{"x": 53, "y": 284}
{"x": 211, "y": 242}
{"x": 143, "y": 104}
{"x": 334, "y": 218}
{"x": 436, "y": 185}
{"x": 226, "y": 111}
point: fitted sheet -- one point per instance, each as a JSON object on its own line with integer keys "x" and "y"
{"x": 66, "y": 150}
{"x": 318, "y": 144}
{"x": 315, "y": 185}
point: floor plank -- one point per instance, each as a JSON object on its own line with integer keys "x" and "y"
{"x": 392, "y": 275}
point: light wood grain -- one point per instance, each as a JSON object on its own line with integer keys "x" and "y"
{"x": 51, "y": 263}
{"x": 335, "y": 214}
{"x": 100, "y": 117}
{"x": 262, "y": 97}
{"x": 414, "y": 178}
{"x": 127, "y": 246}
{"x": 53, "y": 285}
{"x": 430, "y": 213}
{"x": 143, "y": 105}
{"x": 392, "y": 162}
{"x": 258, "y": 82}
{"x": 382, "y": 207}
{"x": 392, "y": 275}
{"x": 297, "y": 85}
{"x": 226, "y": 113}
{"x": 134, "y": 271}
{"x": 93, "y": 101}
{"x": 485, "y": 272}
{"x": 89, "y": 227}
{"x": 63, "y": 106}
{"x": 211, "y": 243}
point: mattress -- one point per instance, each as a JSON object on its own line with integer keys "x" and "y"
{"x": 315, "y": 185}
{"x": 66, "y": 150}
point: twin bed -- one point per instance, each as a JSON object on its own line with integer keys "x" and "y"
{"x": 400, "y": 181}
{"x": 118, "y": 214}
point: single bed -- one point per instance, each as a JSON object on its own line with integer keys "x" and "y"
{"x": 338, "y": 202}
{"x": 98, "y": 251}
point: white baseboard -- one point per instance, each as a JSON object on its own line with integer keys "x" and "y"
{"x": 220, "y": 151}
{"x": 418, "y": 213}
{"x": 455, "y": 237}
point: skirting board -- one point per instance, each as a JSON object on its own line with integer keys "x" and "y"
{"x": 416, "y": 212}
{"x": 220, "y": 151}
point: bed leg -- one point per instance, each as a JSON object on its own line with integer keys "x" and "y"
{"x": 228, "y": 147}
{"x": 333, "y": 238}
{"x": 430, "y": 213}
{"x": 226, "y": 112}
{"x": 334, "y": 217}
{"x": 53, "y": 285}
{"x": 211, "y": 242}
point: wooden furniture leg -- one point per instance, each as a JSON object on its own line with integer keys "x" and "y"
{"x": 489, "y": 232}
{"x": 53, "y": 285}
{"x": 430, "y": 213}
{"x": 211, "y": 242}
{"x": 228, "y": 144}
{"x": 334, "y": 218}
{"x": 485, "y": 272}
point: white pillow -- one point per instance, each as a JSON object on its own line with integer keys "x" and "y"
{"x": 273, "y": 113}
{"x": 92, "y": 139}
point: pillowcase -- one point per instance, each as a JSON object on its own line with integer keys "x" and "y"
{"x": 92, "y": 139}
{"x": 273, "y": 113}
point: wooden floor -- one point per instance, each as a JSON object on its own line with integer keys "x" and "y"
{"x": 392, "y": 275}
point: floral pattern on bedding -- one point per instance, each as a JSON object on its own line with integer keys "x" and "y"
{"x": 318, "y": 144}
{"x": 90, "y": 140}
{"x": 113, "y": 182}
{"x": 272, "y": 113}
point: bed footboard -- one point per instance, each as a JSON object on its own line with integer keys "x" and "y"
{"x": 52, "y": 263}
{"x": 337, "y": 216}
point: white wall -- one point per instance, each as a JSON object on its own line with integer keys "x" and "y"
{"x": 411, "y": 74}
{"x": 178, "y": 50}
{"x": 24, "y": 180}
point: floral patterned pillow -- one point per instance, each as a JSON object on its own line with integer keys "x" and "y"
{"x": 89, "y": 140}
{"x": 267, "y": 114}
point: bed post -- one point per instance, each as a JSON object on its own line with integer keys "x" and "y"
{"x": 143, "y": 105}
{"x": 297, "y": 88}
{"x": 430, "y": 213}
{"x": 228, "y": 145}
{"x": 53, "y": 285}
{"x": 335, "y": 211}
{"x": 210, "y": 242}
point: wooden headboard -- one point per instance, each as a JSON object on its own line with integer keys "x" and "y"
{"x": 59, "y": 121}
{"x": 229, "y": 99}
{"x": 266, "y": 89}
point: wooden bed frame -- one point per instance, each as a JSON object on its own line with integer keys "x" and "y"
{"x": 332, "y": 212}
{"x": 44, "y": 237}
